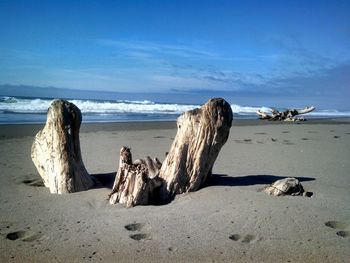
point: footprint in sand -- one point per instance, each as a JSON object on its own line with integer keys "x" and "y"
{"x": 339, "y": 226}
{"x": 343, "y": 233}
{"x": 15, "y": 235}
{"x": 139, "y": 237}
{"x": 23, "y": 236}
{"x": 134, "y": 226}
{"x": 235, "y": 237}
{"x": 245, "y": 239}
{"x": 336, "y": 224}
{"x": 137, "y": 227}
{"x": 34, "y": 182}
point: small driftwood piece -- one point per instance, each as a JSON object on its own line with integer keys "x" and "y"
{"x": 287, "y": 115}
{"x": 135, "y": 182}
{"x": 56, "y": 150}
{"x": 201, "y": 134}
{"x": 286, "y": 186}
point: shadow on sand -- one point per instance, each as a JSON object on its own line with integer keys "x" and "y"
{"x": 104, "y": 180}
{"x": 225, "y": 180}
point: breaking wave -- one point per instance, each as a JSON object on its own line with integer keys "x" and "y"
{"x": 40, "y": 106}
{"x": 20, "y": 109}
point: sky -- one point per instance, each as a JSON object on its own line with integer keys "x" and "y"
{"x": 254, "y": 52}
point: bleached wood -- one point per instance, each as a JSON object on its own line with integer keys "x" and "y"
{"x": 56, "y": 150}
{"x": 201, "y": 134}
{"x": 305, "y": 110}
{"x": 287, "y": 115}
{"x": 135, "y": 182}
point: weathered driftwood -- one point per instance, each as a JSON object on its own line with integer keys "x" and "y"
{"x": 286, "y": 186}
{"x": 56, "y": 150}
{"x": 201, "y": 134}
{"x": 135, "y": 182}
{"x": 287, "y": 115}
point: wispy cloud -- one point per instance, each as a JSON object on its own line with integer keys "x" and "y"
{"x": 138, "y": 65}
{"x": 298, "y": 59}
{"x": 180, "y": 50}
{"x": 290, "y": 60}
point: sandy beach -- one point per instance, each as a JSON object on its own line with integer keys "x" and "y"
{"x": 229, "y": 220}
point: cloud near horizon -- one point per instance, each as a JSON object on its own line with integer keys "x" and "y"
{"x": 163, "y": 67}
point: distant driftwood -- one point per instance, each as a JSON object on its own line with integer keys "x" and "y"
{"x": 56, "y": 150}
{"x": 201, "y": 134}
{"x": 287, "y": 115}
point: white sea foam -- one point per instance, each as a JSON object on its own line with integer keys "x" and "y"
{"x": 122, "y": 107}
{"x": 247, "y": 109}
{"x": 19, "y": 105}
{"x": 16, "y": 105}
{"x": 330, "y": 113}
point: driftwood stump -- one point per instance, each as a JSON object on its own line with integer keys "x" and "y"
{"x": 56, "y": 150}
{"x": 135, "y": 182}
{"x": 201, "y": 134}
{"x": 287, "y": 115}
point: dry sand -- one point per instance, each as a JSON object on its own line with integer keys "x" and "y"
{"x": 229, "y": 220}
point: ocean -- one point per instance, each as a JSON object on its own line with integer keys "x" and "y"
{"x": 17, "y": 109}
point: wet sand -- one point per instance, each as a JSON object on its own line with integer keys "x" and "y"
{"x": 229, "y": 220}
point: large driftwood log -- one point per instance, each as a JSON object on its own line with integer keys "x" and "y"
{"x": 287, "y": 115}
{"x": 201, "y": 134}
{"x": 56, "y": 150}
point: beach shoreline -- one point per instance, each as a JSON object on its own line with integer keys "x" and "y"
{"x": 229, "y": 220}
{"x": 10, "y": 130}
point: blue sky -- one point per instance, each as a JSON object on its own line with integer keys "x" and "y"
{"x": 291, "y": 51}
